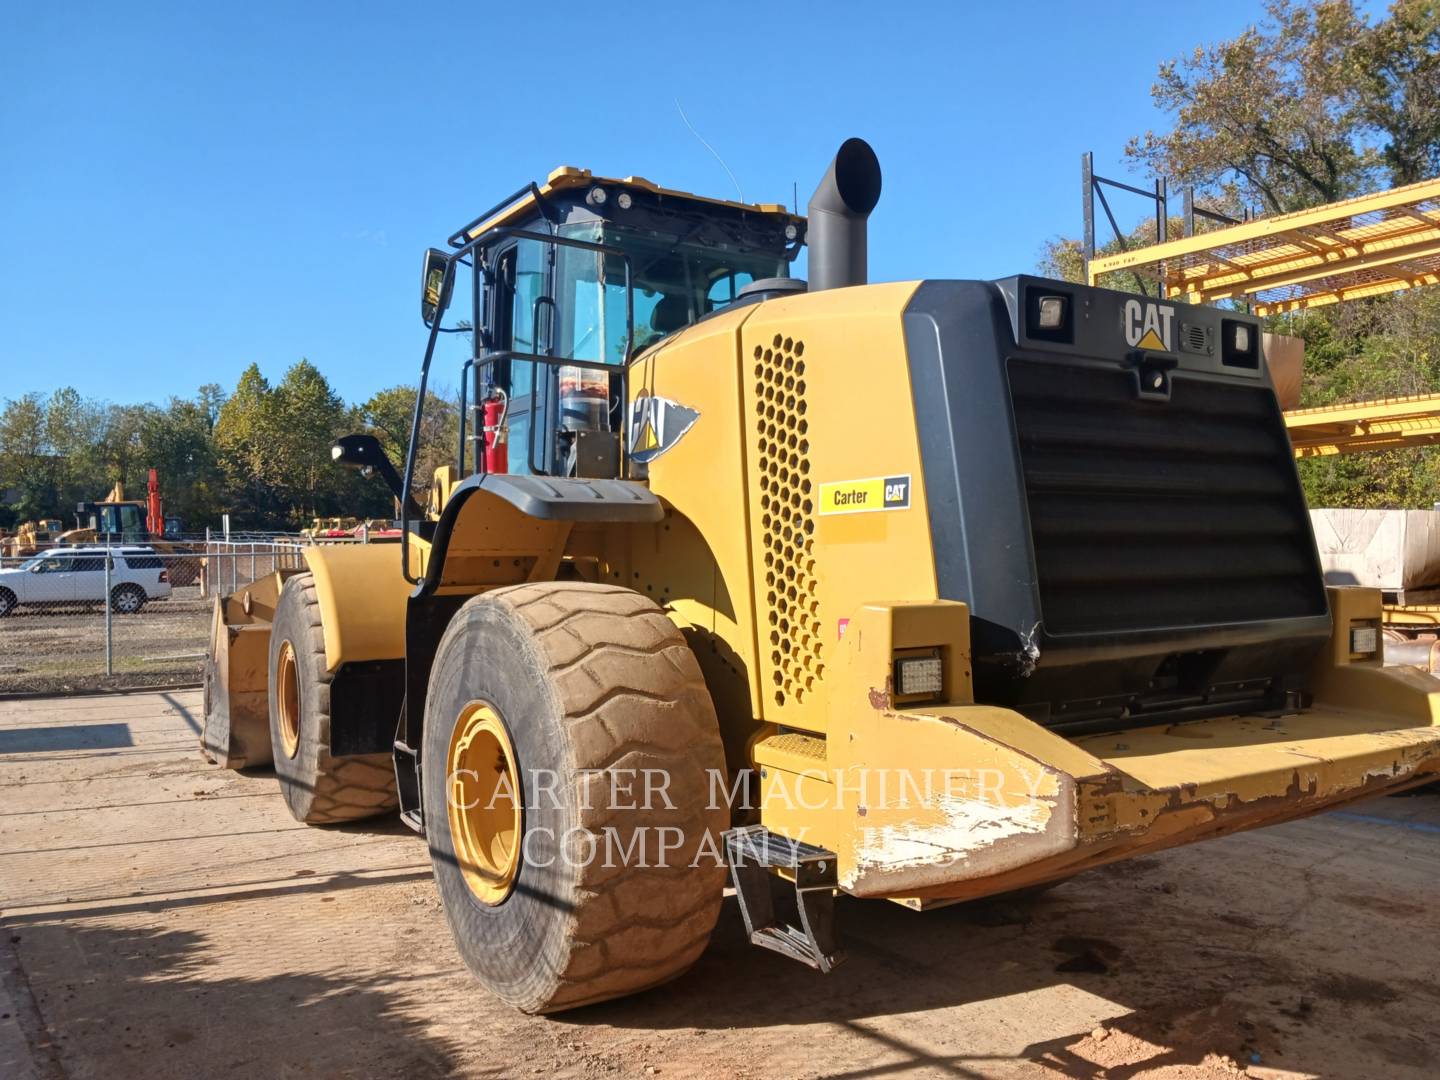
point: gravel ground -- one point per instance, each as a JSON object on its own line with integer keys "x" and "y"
{"x": 163, "y": 918}
{"x": 63, "y": 650}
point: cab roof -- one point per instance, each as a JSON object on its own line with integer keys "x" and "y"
{"x": 568, "y": 178}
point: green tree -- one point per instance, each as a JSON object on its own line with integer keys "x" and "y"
{"x": 25, "y": 458}
{"x": 388, "y": 415}
{"x": 246, "y": 429}
{"x": 311, "y": 416}
{"x": 178, "y": 443}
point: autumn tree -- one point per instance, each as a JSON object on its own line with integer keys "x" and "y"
{"x": 1315, "y": 103}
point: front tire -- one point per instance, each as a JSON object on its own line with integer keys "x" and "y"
{"x": 570, "y": 686}
{"x": 7, "y": 603}
{"x": 319, "y": 789}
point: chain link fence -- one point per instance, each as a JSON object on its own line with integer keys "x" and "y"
{"x": 122, "y": 617}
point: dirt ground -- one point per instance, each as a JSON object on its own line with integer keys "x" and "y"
{"x": 163, "y": 918}
{"x": 62, "y": 650}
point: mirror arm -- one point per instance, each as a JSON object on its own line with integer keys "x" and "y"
{"x": 406, "y": 499}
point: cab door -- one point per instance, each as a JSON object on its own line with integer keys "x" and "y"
{"x": 520, "y": 297}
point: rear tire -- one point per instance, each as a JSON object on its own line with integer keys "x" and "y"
{"x": 319, "y": 789}
{"x": 127, "y": 599}
{"x": 7, "y": 603}
{"x": 588, "y": 682}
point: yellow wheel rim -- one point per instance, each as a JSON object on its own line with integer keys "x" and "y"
{"x": 483, "y": 800}
{"x": 288, "y": 699}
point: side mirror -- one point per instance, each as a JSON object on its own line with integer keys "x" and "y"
{"x": 365, "y": 452}
{"x": 357, "y": 451}
{"x": 436, "y": 282}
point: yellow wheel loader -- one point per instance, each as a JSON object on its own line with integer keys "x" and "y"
{"x": 30, "y": 537}
{"x": 918, "y": 591}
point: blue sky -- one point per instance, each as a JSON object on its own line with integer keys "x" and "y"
{"x": 186, "y": 189}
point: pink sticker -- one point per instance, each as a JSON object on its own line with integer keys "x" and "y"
{"x": 840, "y": 628}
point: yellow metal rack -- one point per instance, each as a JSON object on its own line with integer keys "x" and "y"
{"x": 1386, "y": 424}
{"x": 1341, "y": 251}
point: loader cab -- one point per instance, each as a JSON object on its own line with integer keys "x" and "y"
{"x": 594, "y": 270}
{"x": 116, "y": 521}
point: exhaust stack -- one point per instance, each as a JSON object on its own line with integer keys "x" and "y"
{"x": 837, "y": 215}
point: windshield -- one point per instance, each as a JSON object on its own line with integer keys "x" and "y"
{"x": 675, "y": 284}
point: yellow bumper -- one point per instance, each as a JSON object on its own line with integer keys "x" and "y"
{"x": 962, "y": 800}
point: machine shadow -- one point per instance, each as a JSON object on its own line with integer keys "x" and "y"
{"x": 178, "y": 1010}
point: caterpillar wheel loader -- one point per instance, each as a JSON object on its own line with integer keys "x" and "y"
{"x": 920, "y": 591}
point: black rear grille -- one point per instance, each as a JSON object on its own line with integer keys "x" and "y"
{"x": 1148, "y": 515}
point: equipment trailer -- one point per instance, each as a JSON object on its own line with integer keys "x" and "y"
{"x": 922, "y": 591}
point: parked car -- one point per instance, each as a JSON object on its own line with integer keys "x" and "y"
{"x": 68, "y": 577}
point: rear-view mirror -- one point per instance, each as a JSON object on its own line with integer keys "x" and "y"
{"x": 435, "y": 285}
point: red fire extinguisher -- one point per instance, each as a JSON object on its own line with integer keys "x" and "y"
{"x": 497, "y": 433}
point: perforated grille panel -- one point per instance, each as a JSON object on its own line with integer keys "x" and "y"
{"x": 787, "y": 518}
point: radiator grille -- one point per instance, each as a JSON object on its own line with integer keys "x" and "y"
{"x": 787, "y": 518}
{"x": 1147, "y": 515}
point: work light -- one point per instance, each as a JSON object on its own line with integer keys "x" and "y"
{"x": 1052, "y": 312}
{"x": 918, "y": 675}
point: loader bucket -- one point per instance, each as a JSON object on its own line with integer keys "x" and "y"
{"x": 236, "y": 734}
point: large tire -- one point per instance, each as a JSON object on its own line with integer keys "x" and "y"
{"x": 318, "y": 789}
{"x": 586, "y": 680}
{"x": 7, "y": 602}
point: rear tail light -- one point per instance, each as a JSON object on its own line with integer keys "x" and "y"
{"x": 164, "y": 577}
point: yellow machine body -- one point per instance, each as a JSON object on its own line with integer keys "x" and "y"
{"x": 798, "y": 578}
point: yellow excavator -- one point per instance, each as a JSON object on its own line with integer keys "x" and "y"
{"x": 918, "y": 591}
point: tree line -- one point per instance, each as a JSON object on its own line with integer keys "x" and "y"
{"x": 260, "y": 452}
{"x": 1315, "y": 103}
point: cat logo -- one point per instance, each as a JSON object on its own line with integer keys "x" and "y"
{"x": 656, "y": 425}
{"x": 1149, "y": 326}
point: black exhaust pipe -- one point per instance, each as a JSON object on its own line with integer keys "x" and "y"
{"x": 838, "y": 212}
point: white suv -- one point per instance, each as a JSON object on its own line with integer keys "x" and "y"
{"x": 69, "y": 576}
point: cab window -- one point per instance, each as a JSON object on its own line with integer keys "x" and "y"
{"x": 725, "y": 288}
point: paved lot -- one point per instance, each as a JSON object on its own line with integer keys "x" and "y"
{"x": 162, "y": 918}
